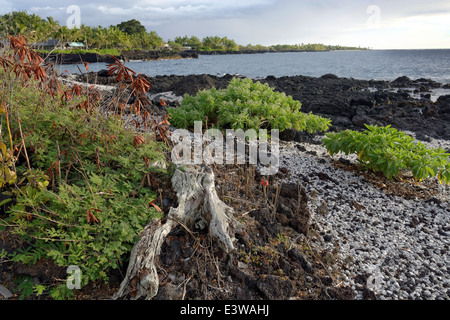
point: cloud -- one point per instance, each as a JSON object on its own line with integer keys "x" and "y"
{"x": 5, "y": 6}
{"x": 267, "y": 21}
{"x": 151, "y": 13}
{"x": 156, "y": 15}
{"x": 160, "y": 12}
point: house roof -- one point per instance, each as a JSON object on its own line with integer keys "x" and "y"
{"x": 75, "y": 44}
{"x": 48, "y": 43}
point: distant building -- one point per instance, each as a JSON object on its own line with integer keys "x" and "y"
{"x": 74, "y": 45}
{"x": 46, "y": 45}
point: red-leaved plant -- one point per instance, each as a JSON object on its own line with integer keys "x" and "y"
{"x": 139, "y": 87}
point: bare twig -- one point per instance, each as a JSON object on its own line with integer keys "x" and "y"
{"x": 59, "y": 162}
{"x": 184, "y": 288}
{"x": 23, "y": 141}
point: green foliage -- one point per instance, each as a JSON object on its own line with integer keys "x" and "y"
{"x": 18, "y": 21}
{"x": 245, "y": 104}
{"x": 7, "y": 176}
{"x": 24, "y": 286}
{"x": 388, "y": 150}
{"x": 3, "y": 254}
{"x": 61, "y": 292}
{"x": 146, "y": 41}
{"x": 216, "y": 43}
{"x": 132, "y": 27}
{"x": 193, "y": 42}
{"x": 210, "y": 43}
{"x": 27, "y": 288}
{"x": 82, "y": 196}
{"x": 126, "y": 35}
{"x": 311, "y": 47}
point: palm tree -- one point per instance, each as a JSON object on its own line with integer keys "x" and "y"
{"x": 75, "y": 35}
{"x": 101, "y": 38}
{"x": 52, "y": 25}
{"x": 229, "y": 44}
{"x": 42, "y": 33}
{"x": 87, "y": 35}
{"x": 155, "y": 41}
{"x": 116, "y": 37}
{"x": 194, "y": 42}
{"x": 182, "y": 40}
{"x": 65, "y": 34}
{"x": 213, "y": 43}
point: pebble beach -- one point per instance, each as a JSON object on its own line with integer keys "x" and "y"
{"x": 397, "y": 247}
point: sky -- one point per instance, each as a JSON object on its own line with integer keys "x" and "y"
{"x": 378, "y": 24}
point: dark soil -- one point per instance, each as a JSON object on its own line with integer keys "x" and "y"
{"x": 272, "y": 259}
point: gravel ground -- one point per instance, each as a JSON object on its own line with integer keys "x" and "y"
{"x": 397, "y": 247}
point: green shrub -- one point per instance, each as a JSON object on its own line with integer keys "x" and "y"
{"x": 245, "y": 104}
{"x": 82, "y": 196}
{"x": 388, "y": 150}
{"x": 76, "y": 185}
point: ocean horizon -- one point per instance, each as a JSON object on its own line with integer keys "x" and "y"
{"x": 374, "y": 64}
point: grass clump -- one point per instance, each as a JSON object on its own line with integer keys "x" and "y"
{"x": 246, "y": 104}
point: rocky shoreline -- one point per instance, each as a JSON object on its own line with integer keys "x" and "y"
{"x": 421, "y": 106}
{"x": 334, "y": 231}
{"x": 127, "y": 55}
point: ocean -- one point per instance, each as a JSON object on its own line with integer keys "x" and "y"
{"x": 366, "y": 65}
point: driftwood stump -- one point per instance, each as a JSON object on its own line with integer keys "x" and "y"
{"x": 198, "y": 204}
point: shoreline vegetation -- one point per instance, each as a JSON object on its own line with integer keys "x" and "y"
{"x": 79, "y": 187}
{"x": 128, "y": 40}
{"x": 87, "y": 172}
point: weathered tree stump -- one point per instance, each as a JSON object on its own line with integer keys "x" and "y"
{"x": 198, "y": 205}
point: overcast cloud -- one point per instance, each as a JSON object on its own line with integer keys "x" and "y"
{"x": 380, "y": 24}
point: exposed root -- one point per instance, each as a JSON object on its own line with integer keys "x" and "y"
{"x": 199, "y": 206}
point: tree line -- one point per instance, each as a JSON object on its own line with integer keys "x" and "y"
{"x": 129, "y": 35}
{"x": 217, "y": 43}
{"x": 126, "y": 35}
